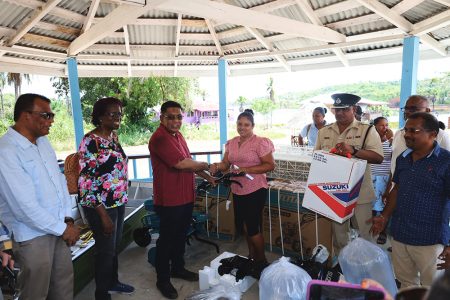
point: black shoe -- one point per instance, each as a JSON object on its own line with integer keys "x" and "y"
{"x": 184, "y": 274}
{"x": 167, "y": 290}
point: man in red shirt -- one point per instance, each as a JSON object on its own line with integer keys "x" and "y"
{"x": 173, "y": 196}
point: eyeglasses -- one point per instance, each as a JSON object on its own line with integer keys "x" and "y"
{"x": 413, "y": 130}
{"x": 411, "y": 108}
{"x": 173, "y": 117}
{"x": 43, "y": 115}
{"x": 114, "y": 114}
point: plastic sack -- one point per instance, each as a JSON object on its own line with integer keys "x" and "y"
{"x": 283, "y": 280}
{"x": 361, "y": 259}
{"x": 222, "y": 291}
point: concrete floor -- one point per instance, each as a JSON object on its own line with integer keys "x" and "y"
{"x": 135, "y": 270}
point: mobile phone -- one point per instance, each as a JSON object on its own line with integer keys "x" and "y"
{"x": 328, "y": 290}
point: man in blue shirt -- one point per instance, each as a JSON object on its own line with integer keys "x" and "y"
{"x": 419, "y": 203}
{"x": 35, "y": 204}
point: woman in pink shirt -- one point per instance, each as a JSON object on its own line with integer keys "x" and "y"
{"x": 252, "y": 155}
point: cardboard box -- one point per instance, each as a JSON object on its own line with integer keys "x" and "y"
{"x": 291, "y": 233}
{"x": 288, "y": 200}
{"x": 221, "y": 221}
{"x": 333, "y": 185}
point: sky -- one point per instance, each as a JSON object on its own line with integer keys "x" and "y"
{"x": 256, "y": 85}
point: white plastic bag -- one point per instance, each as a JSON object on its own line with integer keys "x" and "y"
{"x": 222, "y": 291}
{"x": 361, "y": 259}
{"x": 283, "y": 280}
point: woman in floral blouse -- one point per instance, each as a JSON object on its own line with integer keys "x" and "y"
{"x": 102, "y": 188}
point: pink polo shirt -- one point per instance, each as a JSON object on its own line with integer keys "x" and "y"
{"x": 248, "y": 155}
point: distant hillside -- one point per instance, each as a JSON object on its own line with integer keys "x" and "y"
{"x": 435, "y": 88}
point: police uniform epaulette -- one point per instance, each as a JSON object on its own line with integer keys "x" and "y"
{"x": 362, "y": 123}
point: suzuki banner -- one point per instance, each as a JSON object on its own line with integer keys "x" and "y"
{"x": 333, "y": 185}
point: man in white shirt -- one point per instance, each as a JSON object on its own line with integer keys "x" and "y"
{"x": 415, "y": 103}
{"x": 35, "y": 204}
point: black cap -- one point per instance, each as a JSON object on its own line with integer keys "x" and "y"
{"x": 343, "y": 100}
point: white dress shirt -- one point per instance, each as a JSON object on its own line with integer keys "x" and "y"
{"x": 34, "y": 199}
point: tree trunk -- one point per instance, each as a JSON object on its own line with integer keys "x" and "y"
{"x": 3, "y": 107}
{"x": 16, "y": 91}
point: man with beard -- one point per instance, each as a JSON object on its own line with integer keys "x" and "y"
{"x": 35, "y": 204}
{"x": 418, "y": 203}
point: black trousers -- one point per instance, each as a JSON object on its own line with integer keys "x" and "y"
{"x": 106, "y": 260}
{"x": 170, "y": 247}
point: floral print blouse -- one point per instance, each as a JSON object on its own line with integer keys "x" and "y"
{"x": 104, "y": 172}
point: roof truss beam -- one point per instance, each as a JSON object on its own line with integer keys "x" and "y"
{"x": 306, "y": 7}
{"x": 399, "y": 21}
{"x": 245, "y": 17}
{"x": 436, "y": 22}
{"x": 118, "y": 18}
{"x": 177, "y": 43}
{"x": 56, "y": 11}
{"x": 268, "y": 45}
{"x": 214, "y": 36}
{"x": 90, "y": 16}
{"x": 36, "y": 16}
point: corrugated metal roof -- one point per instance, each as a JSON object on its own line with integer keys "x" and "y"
{"x": 442, "y": 33}
{"x": 12, "y": 15}
{"x": 60, "y": 21}
{"x": 345, "y": 15}
{"x": 156, "y": 35}
{"x": 424, "y": 11}
{"x": 154, "y": 45}
{"x": 79, "y": 6}
{"x": 373, "y": 46}
{"x": 322, "y": 3}
{"x": 366, "y": 28}
{"x": 36, "y": 45}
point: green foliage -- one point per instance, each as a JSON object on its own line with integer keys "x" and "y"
{"x": 62, "y": 132}
{"x": 133, "y": 135}
{"x": 241, "y": 101}
{"x": 139, "y": 96}
{"x": 436, "y": 88}
{"x": 263, "y": 106}
{"x": 6, "y": 119}
{"x": 383, "y": 109}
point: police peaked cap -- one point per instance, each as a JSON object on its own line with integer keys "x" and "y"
{"x": 343, "y": 100}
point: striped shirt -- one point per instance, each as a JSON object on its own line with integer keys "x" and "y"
{"x": 385, "y": 167}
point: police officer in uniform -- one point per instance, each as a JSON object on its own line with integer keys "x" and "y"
{"x": 350, "y": 136}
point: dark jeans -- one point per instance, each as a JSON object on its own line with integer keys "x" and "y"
{"x": 106, "y": 261}
{"x": 174, "y": 223}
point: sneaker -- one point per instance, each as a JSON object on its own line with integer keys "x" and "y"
{"x": 184, "y": 274}
{"x": 167, "y": 290}
{"x": 122, "y": 288}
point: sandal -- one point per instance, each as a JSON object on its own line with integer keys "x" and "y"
{"x": 382, "y": 238}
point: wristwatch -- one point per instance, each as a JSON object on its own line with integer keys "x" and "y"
{"x": 355, "y": 150}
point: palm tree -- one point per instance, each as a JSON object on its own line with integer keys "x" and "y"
{"x": 271, "y": 90}
{"x": 16, "y": 80}
{"x": 241, "y": 100}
